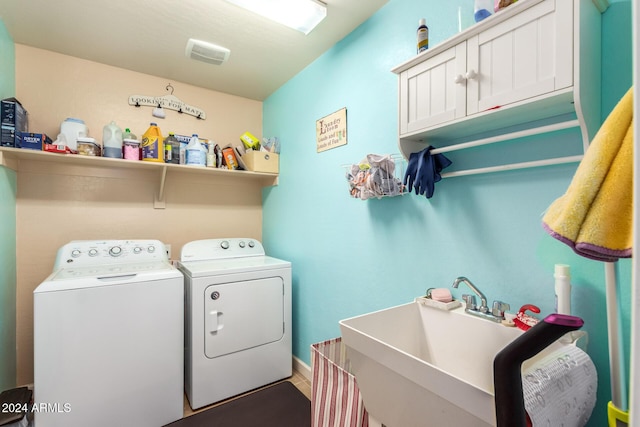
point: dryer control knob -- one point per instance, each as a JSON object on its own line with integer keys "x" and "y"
{"x": 151, "y": 249}
{"x": 251, "y": 244}
{"x": 137, "y": 250}
{"x": 75, "y": 253}
{"x": 115, "y": 251}
{"x": 241, "y": 244}
{"x": 224, "y": 244}
{"x": 93, "y": 252}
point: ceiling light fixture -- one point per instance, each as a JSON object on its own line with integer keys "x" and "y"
{"x": 301, "y": 15}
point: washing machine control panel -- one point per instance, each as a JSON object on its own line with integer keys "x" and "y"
{"x": 90, "y": 252}
{"x": 210, "y": 249}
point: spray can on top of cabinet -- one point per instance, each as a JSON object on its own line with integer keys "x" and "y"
{"x": 112, "y": 141}
{"x": 422, "y": 36}
{"x": 152, "y": 146}
{"x": 196, "y": 153}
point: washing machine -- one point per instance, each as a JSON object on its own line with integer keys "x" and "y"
{"x": 237, "y": 318}
{"x": 109, "y": 337}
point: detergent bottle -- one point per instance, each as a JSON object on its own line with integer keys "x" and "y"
{"x": 112, "y": 141}
{"x": 172, "y": 143}
{"x": 152, "y": 144}
{"x": 196, "y": 153}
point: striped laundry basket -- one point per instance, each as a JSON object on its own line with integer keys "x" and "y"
{"x": 335, "y": 397}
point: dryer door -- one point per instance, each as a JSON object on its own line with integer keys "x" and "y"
{"x": 242, "y": 315}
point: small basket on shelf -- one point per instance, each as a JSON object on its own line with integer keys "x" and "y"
{"x": 376, "y": 176}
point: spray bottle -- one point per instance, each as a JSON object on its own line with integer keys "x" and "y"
{"x": 422, "y": 36}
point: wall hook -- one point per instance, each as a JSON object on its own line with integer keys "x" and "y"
{"x": 137, "y": 104}
{"x": 169, "y": 86}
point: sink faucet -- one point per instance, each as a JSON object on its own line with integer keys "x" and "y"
{"x": 499, "y": 307}
{"x": 483, "y": 300}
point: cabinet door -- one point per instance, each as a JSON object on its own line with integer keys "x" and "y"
{"x": 429, "y": 94}
{"x": 528, "y": 55}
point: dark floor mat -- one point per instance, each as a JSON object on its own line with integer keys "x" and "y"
{"x": 281, "y": 405}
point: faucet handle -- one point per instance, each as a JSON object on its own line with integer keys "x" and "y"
{"x": 470, "y": 301}
{"x": 499, "y": 308}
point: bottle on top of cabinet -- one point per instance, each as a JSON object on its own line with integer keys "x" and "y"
{"x": 482, "y": 9}
{"x": 422, "y": 36}
{"x": 152, "y": 144}
{"x": 112, "y": 141}
{"x": 196, "y": 153}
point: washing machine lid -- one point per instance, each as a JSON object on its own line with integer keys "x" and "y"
{"x": 79, "y": 277}
{"x": 233, "y": 265}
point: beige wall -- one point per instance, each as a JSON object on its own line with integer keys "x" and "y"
{"x": 58, "y": 203}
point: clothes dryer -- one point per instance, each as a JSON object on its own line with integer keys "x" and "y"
{"x": 109, "y": 337}
{"x": 237, "y": 318}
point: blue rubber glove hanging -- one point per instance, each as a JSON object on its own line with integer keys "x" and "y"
{"x": 428, "y": 171}
{"x": 441, "y": 162}
{"x": 412, "y": 170}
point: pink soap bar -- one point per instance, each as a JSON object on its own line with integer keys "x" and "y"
{"x": 441, "y": 294}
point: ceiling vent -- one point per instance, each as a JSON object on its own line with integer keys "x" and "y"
{"x": 207, "y": 52}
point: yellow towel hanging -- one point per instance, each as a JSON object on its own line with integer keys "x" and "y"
{"x": 594, "y": 216}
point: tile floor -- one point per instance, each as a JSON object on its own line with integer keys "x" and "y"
{"x": 297, "y": 379}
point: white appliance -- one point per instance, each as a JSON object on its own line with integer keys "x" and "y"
{"x": 237, "y": 318}
{"x": 109, "y": 336}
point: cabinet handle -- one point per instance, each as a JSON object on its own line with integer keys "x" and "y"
{"x": 471, "y": 74}
{"x": 459, "y": 79}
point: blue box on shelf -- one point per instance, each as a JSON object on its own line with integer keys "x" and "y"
{"x": 34, "y": 141}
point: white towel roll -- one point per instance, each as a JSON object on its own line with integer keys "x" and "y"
{"x": 560, "y": 390}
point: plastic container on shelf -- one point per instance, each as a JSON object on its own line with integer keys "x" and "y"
{"x": 196, "y": 154}
{"x": 152, "y": 145}
{"x": 112, "y": 141}
{"x": 88, "y": 146}
{"x": 72, "y": 129}
{"x": 131, "y": 149}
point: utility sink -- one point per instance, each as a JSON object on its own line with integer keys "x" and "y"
{"x": 417, "y": 365}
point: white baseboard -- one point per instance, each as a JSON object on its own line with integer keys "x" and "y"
{"x": 302, "y": 368}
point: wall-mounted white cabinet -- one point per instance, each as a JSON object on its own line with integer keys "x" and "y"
{"x": 537, "y": 59}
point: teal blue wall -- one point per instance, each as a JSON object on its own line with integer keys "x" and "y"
{"x": 351, "y": 256}
{"x": 7, "y": 232}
